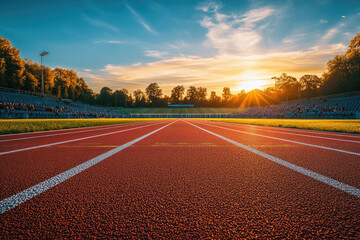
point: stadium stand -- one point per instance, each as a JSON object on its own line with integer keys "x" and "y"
{"x": 22, "y": 104}
{"x": 339, "y": 106}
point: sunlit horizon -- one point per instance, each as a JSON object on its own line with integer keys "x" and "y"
{"x": 211, "y": 44}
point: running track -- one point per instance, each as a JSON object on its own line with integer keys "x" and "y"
{"x": 180, "y": 179}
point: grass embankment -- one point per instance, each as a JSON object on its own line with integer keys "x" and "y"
{"x": 174, "y": 110}
{"x": 346, "y": 126}
{"x": 35, "y": 125}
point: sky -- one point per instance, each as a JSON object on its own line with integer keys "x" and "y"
{"x": 129, "y": 44}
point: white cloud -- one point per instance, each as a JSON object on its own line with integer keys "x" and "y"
{"x": 141, "y": 21}
{"x": 100, "y": 23}
{"x": 323, "y": 21}
{"x": 209, "y": 6}
{"x": 215, "y": 72}
{"x": 343, "y": 16}
{"x": 256, "y": 15}
{"x": 155, "y": 54}
{"x": 330, "y": 34}
{"x": 178, "y": 45}
{"x": 111, "y": 42}
{"x": 235, "y": 34}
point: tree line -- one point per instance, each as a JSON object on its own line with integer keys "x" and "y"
{"x": 342, "y": 75}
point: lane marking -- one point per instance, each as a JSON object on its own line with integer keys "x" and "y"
{"x": 23, "y": 196}
{"x": 57, "y": 134}
{"x": 288, "y": 129}
{"x": 329, "y": 181}
{"x": 46, "y": 131}
{"x": 286, "y": 140}
{"x": 74, "y": 140}
{"x": 297, "y": 134}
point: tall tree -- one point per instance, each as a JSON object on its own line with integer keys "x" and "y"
{"x": 191, "y": 95}
{"x": 11, "y": 65}
{"x": 32, "y": 75}
{"x": 226, "y": 94}
{"x": 177, "y": 94}
{"x": 139, "y": 97}
{"x": 288, "y": 85}
{"x": 343, "y": 71}
{"x": 201, "y": 96}
{"x": 121, "y": 98}
{"x": 310, "y": 85}
{"x": 105, "y": 96}
{"x": 154, "y": 93}
{"x": 214, "y": 100}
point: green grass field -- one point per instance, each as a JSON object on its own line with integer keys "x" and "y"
{"x": 35, "y": 125}
{"x": 333, "y": 125}
{"x": 178, "y": 110}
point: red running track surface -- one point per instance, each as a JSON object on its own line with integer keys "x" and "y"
{"x": 182, "y": 182}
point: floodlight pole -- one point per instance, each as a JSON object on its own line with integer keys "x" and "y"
{"x": 42, "y": 74}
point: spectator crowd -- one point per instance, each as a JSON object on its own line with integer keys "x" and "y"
{"x": 72, "y": 110}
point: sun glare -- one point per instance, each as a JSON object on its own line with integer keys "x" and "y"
{"x": 250, "y": 85}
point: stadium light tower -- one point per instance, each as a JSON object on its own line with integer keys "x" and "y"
{"x": 42, "y": 74}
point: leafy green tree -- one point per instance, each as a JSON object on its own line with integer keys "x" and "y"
{"x": 288, "y": 85}
{"x": 32, "y": 76}
{"x": 310, "y": 85}
{"x": 214, "y": 100}
{"x": 105, "y": 96}
{"x": 177, "y": 94}
{"x": 343, "y": 71}
{"x": 11, "y": 65}
{"x": 154, "y": 93}
{"x": 191, "y": 95}
{"x": 49, "y": 76}
{"x": 121, "y": 98}
{"x": 139, "y": 97}
{"x": 201, "y": 96}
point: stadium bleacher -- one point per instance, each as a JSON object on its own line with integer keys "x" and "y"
{"x": 21, "y": 104}
{"x": 339, "y": 106}
{"x": 16, "y": 104}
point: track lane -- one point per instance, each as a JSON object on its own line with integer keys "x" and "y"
{"x": 345, "y": 137}
{"x": 29, "y": 144}
{"x": 51, "y": 133}
{"x": 183, "y": 183}
{"x": 340, "y": 166}
{"x": 350, "y": 136}
{"x": 345, "y": 147}
{"x": 22, "y": 170}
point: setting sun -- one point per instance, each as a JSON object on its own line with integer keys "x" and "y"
{"x": 251, "y": 85}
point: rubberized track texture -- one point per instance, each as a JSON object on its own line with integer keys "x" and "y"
{"x": 180, "y": 179}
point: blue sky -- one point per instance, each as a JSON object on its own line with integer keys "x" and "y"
{"x": 129, "y": 44}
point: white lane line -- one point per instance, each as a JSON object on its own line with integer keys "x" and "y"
{"x": 46, "y": 131}
{"x": 57, "y": 134}
{"x": 285, "y": 140}
{"x": 329, "y": 181}
{"x": 74, "y": 140}
{"x": 288, "y": 129}
{"x": 21, "y": 197}
{"x": 303, "y": 135}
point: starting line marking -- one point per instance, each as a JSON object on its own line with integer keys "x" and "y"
{"x": 329, "y": 181}
{"x": 21, "y": 197}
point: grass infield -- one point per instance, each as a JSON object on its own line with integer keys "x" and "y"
{"x": 35, "y": 125}
{"x": 333, "y": 125}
